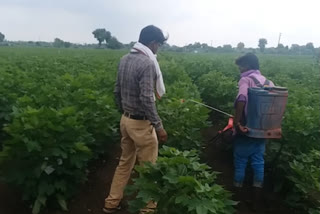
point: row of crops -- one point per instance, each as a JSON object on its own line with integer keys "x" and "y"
{"x": 57, "y": 114}
{"x": 293, "y": 161}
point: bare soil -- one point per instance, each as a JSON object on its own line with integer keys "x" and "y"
{"x": 90, "y": 198}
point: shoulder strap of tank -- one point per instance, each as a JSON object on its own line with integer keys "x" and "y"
{"x": 256, "y": 81}
{"x": 266, "y": 83}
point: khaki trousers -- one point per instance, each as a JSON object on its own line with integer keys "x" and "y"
{"x": 139, "y": 142}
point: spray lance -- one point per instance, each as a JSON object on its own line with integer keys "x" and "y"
{"x": 210, "y": 107}
{"x": 230, "y": 121}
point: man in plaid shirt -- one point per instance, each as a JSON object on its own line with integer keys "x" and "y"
{"x": 140, "y": 124}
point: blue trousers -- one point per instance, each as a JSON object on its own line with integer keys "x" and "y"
{"x": 244, "y": 149}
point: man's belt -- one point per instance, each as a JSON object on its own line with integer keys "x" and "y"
{"x": 134, "y": 117}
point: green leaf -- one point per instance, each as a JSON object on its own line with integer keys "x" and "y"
{"x": 82, "y": 147}
{"x": 201, "y": 210}
{"x": 62, "y": 202}
{"x": 36, "y": 207}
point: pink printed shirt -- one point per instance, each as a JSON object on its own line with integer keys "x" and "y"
{"x": 246, "y": 82}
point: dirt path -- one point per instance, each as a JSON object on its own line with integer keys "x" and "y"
{"x": 90, "y": 200}
{"x": 91, "y": 196}
{"x": 10, "y": 202}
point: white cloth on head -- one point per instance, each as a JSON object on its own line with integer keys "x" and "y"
{"x": 159, "y": 86}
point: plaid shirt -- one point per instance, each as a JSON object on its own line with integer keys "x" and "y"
{"x": 134, "y": 88}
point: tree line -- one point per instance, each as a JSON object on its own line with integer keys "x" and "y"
{"x": 106, "y": 40}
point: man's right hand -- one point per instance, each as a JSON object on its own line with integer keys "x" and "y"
{"x": 162, "y": 135}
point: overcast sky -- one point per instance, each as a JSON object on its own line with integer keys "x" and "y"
{"x": 215, "y": 22}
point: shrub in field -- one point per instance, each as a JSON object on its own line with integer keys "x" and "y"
{"x": 178, "y": 183}
{"x": 301, "y": 125}
{"x": 197, "y": 68}
{"x": 173, "y": 72}
{"x": 58, "y": 111}
{"x": 304, "y": 173}
{"x": 300, "y": 141}
{"x": 96, "y": 107}
{"x": 218, "y": 90}
{"x": 301, "y": 132}
{"x": 57, "y": 117}
{"x": 46, "y": 155}
{"x": 63, "y": 140}
{"x": 182, "y": 120}
{"x": 45, "y": 94}
{"x": 198, "y": 65}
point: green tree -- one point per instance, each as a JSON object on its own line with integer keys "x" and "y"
{"x": 113, "y": 43}
{"x": 262, "y": 44}
{"x": 204, "y": 45}
{"x": 67, "y": 44}
{"x": 2, "y": 37}
{"x": 240, "y": 46}
{"x": 101, "y": 35}
{"x": 281, "y": 49}
{"x": 227, "y": 48}
{"x": 58, "y": 43}
{"x": 295, "y": 48}
{"x": 197, "y": 45}
{"x": 310, "y": 47}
